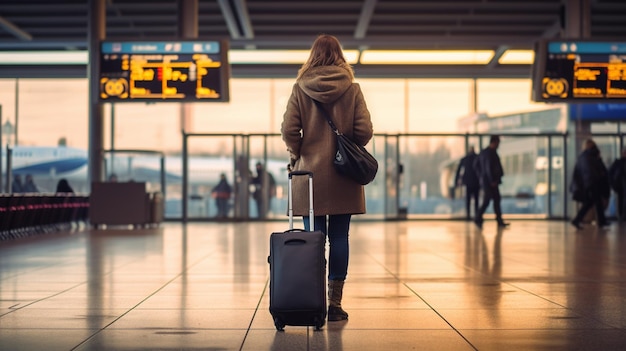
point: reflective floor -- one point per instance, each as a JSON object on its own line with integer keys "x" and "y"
{"x": 415, "y": 285}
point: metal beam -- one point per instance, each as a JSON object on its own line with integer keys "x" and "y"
{"x": 231, "y": 21}
{"x": 188, "y": 19}
{"x": 496, "y": 56}
{"x": 364, "y": 19}
{"x": 303, "y": 42}
{"x": 15, "y": 30}
{"x": 553, "y": 31}
{"x": 244, "y": 18}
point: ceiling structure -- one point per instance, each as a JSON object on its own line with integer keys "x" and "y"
{"x": 498, "y": 25}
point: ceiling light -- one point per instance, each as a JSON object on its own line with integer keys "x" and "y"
{"x": 517, "y": 57}
{"x": 426, "y": 57}
{"x": 44, "y": 58}
{"x": 235, "y": 56}
{"x": 267, "y": 56}
{"x": 277, "y": 57}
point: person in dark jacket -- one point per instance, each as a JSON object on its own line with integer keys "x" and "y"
{"x": 329, "y": 79}
{"x": 469, "y": 178}
{"x": 617, "y": 180}
{"x": 264, "y": 190}
{"x": 16, "y": 185}
{"x": 591, "y": 180}
{"x": 64, "y": 187}
{"x": 29, "y": 185}
{"x": 490, "y": 173}
{"x": 221, "y": 193}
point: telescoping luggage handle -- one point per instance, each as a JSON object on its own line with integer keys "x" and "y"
{"x": 290, "y": 198}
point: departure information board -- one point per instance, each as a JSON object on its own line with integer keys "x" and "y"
{"x": 579, "y": 71}
{"x": 184, "y": 71}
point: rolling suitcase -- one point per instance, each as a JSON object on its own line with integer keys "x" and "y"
{"x": 298, "y": 271}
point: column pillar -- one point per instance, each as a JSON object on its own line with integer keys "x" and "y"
{"x": 97, "y": 33}
{"x": 577, "y": 17}
{"x": 188, "y": 29}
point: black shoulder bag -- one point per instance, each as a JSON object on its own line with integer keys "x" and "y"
{"x": 351, "y": 160}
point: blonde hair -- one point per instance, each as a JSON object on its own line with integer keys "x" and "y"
{"x": 326, "y": 51}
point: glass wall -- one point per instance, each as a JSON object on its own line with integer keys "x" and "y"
{"x": 53, "y": 111}
{"x": 421, "y": 128}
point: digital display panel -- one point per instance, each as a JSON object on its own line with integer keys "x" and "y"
{"x": 579, "y": 71}
{"x": 183, "y": 71}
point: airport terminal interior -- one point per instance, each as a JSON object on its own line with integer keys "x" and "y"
{"x": 120, "y": 117}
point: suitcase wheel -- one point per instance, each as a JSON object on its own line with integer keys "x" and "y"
{"x": 318, "y": 324}
{"x": 280, "y": 326}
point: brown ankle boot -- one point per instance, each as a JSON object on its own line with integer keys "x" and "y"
{"x": 335, "y": 294}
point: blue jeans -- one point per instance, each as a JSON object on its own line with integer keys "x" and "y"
{"x": 337, "y": 233}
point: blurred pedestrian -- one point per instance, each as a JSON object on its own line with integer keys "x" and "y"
{"x": 617, "y": 179}
{"x": 264, "y": 190}
{"x": 466, "y": 175}
{"x": 29, "y": 185}
{"x": 490, "y": 173}
{"x": 221, "y": 193}
{"x": 16, "y": 185}
{"x": 63, "y": 187}
{"x": 590, "y": 180}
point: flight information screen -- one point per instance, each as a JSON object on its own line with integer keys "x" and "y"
{"x": 578, "y": 71}
{"x": 182, "y": 71}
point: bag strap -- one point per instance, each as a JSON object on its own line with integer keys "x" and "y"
{"x": 330, "y": 122}
{"x": 325, "y": 113}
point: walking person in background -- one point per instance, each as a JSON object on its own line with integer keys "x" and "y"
{"x": 469, "y": 178}
{"x": 16, "y": 185}
{"x": 64, "y": 187}
{"x": 29, "y": 185}
{"x": 617, "y": 179}
{"x": 490, "y": 173}
{"x": 264, "y": 190}
{"x": 329, "y": 79}
{"x": 221, "y": 193}
{"x": 590, "y": 182}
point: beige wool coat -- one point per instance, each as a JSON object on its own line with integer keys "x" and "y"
{"x": 312, "y": 144}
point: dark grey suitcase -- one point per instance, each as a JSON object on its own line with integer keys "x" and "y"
{"x": 298, "y": 271}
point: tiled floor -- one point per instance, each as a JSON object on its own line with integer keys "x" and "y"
{"x": 415, "y": 285}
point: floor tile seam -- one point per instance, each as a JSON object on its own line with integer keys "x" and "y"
{"x": 104, "y": 274}
{"x": 501, "y": 280}
{"x": 195, "y": 309}
{"x": 456, "y": 331}
{"x": 441, "y": 316}
{"x": 69, "y": 261}
{"x": 504, "y": 282}
{"x": 543, "y": 329}
{"x": 186, "y": 329}
{"x": 571, "y": 309}
{"x": 248, "y": 329}
{"x": 508, "y": 259}
{"x": 46, "y": 328}
{"x": 257, "y": 309}
{"x": 343, "y": 329}
{"x": 399, "y": 280}
{"x": 142, "y": 301}
{"x": 12, "y": 310}
{"x": 39, "y": 268}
